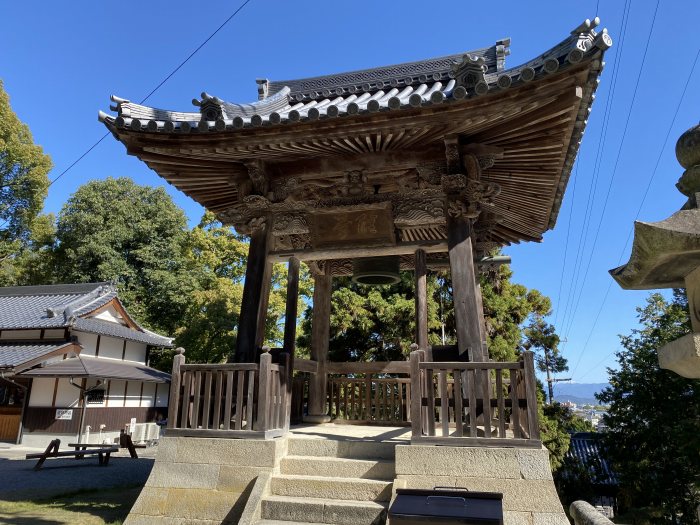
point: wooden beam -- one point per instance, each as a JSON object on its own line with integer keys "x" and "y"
{"x": 421, "y": 300}
{"x": 403, "y": 248}
{"x": 320, "y": 336}
{"x": 375, "y": 367}
{"x": 305, "y": 365}
{"x": 467, "y": 315}
{"x": 250, "y": 304}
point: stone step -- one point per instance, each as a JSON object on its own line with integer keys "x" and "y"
{"x": 330, "y": 488}
{"x": 382, "y": 469}
{"x": 278, "y": 522}
{"x": 340, "y": 449}
{"x": 316, "y": 510}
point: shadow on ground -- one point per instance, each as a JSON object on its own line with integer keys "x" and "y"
{"x": 84, "y": 508}
{"x": 79, "y": 492}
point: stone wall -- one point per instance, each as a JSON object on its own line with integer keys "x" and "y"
{"x": 522, "y": 475}
{"x": 203, "y": 480}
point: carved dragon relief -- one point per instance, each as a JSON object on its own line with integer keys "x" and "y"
{"x": 467, "y": 196}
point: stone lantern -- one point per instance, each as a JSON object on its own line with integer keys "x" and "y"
{"x": 666, "y": 254}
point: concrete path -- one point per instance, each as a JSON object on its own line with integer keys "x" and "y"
{"x": 65, "y": 475}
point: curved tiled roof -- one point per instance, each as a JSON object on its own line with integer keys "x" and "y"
{"x": 445, "y": 80}
{"x": 585, "y": 447}
{"x": 368, "y": 80}
{"x": 534, "y": 114}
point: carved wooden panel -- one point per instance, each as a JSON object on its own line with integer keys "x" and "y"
{"x": 366, "y": 225}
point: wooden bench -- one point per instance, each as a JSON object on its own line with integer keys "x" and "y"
{"x": 52, "y": 451}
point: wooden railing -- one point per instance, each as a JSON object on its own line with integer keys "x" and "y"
{"x": 474, "y": 404}
{"x": 370, "y": 400}
{"x": 364, "y": 392}
{"x": 243, "y": 400}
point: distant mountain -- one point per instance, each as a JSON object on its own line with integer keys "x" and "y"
{"x": 580, "y": 393}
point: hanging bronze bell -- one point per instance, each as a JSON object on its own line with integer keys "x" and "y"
{"x": 376, "y": 271}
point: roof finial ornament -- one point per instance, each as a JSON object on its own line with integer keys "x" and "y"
{"x": 263, "y": 87}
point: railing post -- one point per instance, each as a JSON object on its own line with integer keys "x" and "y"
{"x": 286, "y": 392}
{"x": 416, "y": 393}
{"x": 174, "y": 398}
{"x": 264, "y": 389}
{"x": 531, "y": 395}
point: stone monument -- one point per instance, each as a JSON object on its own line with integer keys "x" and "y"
{"x": 666, "y": 254}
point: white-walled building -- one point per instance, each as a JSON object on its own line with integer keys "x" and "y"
{"x": 71, "y": 354}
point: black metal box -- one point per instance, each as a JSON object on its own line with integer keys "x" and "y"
{"x": 444, "y": 506}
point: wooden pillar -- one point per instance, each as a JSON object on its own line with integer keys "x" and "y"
{"x": 482, "y": 320}
{"x": 262, "y": 308}
{"x": 421, "y": 300}
{"x": 466, "y": 305}
{"x": 252, "y": 291}
{"x": 174, "y": 394}
{"x": 290, "y": 331}
{"x": 320, "y": 335}
{"x": 290, "y": 312}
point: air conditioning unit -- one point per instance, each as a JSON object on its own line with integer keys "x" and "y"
{"x": 144, "y": 433}
{"x": 153, "y": 432}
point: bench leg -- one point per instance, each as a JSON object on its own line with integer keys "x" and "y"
{"x": 105, "y": 461}
{"x": 131, "y": 447}
{"x": 52, "y": 448}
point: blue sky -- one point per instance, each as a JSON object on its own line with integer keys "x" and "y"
{"x": 60, "y": 61}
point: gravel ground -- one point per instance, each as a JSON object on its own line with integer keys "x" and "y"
{"x": 65, "y": 475}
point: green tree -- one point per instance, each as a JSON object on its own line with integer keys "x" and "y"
{"x": 371, "y": 323}
{"x": 24, "y": 183}
{"x": 216, "y": 259}
{"x": 568, "y": 421}
{"x": 507, "y": 306}
{"x": 541, "y": 336}
{"x": 653, "y": 439}
{"x": 116, "y": 230}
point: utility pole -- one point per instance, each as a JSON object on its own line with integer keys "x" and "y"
{"x": 550, "y": 384}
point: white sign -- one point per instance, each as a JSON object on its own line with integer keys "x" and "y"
{"x": 62, "y": 413}
{"x": 132, "y": 425}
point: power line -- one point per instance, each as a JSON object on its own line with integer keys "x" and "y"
{"x": 639, "y": 209}
{"x": 576, "y": 297}
{"x": 614, "y": 172}
{"x": 566, "y": 245}
{"x": 160, "y": 84}
{"x": 578, "y": 259}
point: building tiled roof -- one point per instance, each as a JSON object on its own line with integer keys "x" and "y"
{"x": 64, "y": 306}
{"x": 14, "y": 354}
{"x": 99, "y": 368}
{"x": 585, "y": 447}
{"x": 97, "y": 326}
{"x": 50, "y": 306}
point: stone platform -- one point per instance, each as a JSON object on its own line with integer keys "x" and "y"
{"x": 334, "y": 474}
